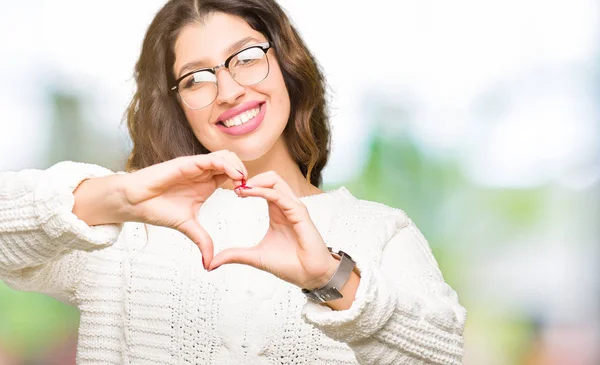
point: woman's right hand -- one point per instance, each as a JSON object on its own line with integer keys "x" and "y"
{"x": 168, "y": 194}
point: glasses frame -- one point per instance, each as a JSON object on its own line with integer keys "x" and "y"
{"x": 264, "y": 46}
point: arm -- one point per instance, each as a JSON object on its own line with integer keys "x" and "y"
{"x": 404, "y": 312}
{"x": 41, "y": 240}
{"x": 50, "y": 219}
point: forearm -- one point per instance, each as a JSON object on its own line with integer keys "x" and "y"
{"x": 36, "y": 220}
{"x": 403, "y": 311}
{"x": 418, "y": 331}
{"x": 394, "y": 325}
{"x": 101, "y": 201}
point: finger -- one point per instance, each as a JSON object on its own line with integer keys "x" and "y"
{"x": 270, "y": 179}
{"x": 281, "y": 200}
{"x": 194, "y": 167}
{"x": 233, "y": 157}
{"x": 218, "y": 163}
{"x": 237, "y": 255}
{"x": 234, "y": 160}
{"x": 239, "y": 166}
{"x": 201, "y": 238}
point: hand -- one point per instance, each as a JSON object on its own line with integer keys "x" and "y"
{"x": 292, "y": 249}
{"x": 168, "y": 194}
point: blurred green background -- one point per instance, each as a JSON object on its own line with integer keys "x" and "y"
{"x": 480, "y": 119}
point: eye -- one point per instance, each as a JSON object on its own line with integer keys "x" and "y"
{"x": 247, "y": 57}
{"x": 198, "y": 79}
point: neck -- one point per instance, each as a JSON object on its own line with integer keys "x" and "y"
{"x": 278, "y": 159}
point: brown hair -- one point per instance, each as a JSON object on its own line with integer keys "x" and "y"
{"x": 156, "y": 122}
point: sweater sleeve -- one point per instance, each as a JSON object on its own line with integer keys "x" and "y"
{"x": 42, "y": 243}
{"x": 404, "y": 312}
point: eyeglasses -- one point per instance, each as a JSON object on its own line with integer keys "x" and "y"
{"x": 249, "y": 66}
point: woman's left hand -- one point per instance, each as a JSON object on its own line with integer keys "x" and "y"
{"x": 293, "y": 250}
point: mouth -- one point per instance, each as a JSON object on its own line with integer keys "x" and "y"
{"x": 240, "y": 114}
{"x": 241, "y": 118}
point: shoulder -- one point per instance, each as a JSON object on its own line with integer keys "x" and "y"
{"x": 367, "y": 213}
{"x": 368, "y": 208}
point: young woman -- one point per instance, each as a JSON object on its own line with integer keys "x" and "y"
{"x": 230, "y": 137}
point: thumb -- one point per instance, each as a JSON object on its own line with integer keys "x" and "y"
{"x": 200, "y": 237}
{"x": 238, "y": 255}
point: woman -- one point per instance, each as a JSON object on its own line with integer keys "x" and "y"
{"x": 230, "y": 138}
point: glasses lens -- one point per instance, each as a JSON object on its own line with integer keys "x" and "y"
{"x": 199, "y": 89}
{"x": 250, "y": 66}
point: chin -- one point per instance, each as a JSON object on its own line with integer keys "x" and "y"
{"x": 250, "y": 153}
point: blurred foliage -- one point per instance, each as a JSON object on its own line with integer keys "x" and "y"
{"x": 31, "y": 322}
{"x": 76, "y": 139}
{"x": 460, "y": 219}
{"x": 455, "y": 216}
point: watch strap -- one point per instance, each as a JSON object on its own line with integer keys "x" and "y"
{"x": 331, "y": 290}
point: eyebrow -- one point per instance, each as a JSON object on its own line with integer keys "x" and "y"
{"x": 230, "y": 50}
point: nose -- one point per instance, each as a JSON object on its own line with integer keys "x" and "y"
{"x": 228, "y": 90}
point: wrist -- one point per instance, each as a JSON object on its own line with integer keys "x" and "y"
{"x": 332, "y": 290}
{"x": 335, "y": 289}
{"x": 348, "y": 292}
{"x": 332, "y": 266}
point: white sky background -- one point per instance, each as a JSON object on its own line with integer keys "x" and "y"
{"x": 535, "y": 58}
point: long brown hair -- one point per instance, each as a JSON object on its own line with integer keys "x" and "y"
{"x": 156, "y": 122}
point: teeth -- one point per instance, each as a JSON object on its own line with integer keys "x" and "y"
{"x": 242, "y": 118}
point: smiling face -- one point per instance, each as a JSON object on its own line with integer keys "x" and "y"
{"x": 248, "y": 120}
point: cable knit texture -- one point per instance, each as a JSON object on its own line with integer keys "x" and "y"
{"x": 144, "y": 297}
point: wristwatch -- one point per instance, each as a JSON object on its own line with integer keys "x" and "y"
{"x": 331, "y": 290}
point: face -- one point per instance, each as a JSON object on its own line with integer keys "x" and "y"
{"x": 259, "y": 111}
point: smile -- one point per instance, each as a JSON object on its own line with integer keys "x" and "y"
{"x": 243, "y": 120}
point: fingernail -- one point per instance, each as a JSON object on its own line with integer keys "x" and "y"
{"x": 241, "y": 173}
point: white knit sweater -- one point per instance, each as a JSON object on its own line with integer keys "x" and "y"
{"x": 144, "y": 297}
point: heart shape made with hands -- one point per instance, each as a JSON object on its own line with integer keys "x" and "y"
{"x": 292, "y": 249}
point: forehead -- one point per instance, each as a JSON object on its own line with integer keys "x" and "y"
{"x": 208, "y": 41}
